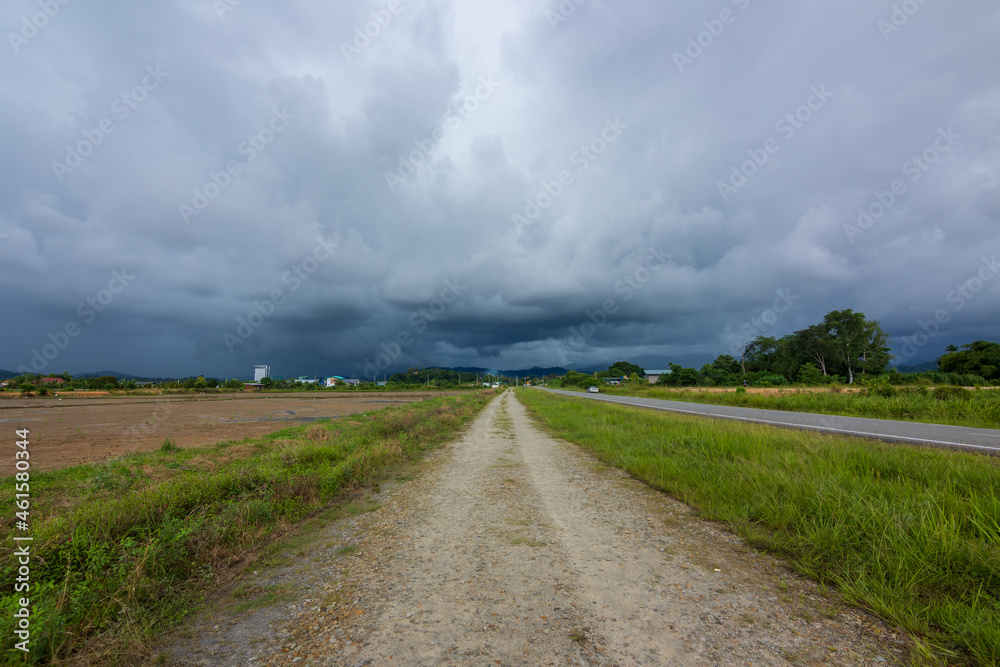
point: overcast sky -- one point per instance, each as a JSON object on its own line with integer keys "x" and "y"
{"x": 195, "y": 187}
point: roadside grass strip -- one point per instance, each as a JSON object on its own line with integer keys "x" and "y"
{"x": 909, "y": 533}
{"x": 954, "y": 406}
{"x": 123, "y": 550}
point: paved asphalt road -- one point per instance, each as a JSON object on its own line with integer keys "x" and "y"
{"x": 983, "y": 440}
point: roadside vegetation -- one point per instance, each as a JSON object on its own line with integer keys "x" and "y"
{"x": 957, "y": 406}
{"x": 126, "y": 548}
{"x": 911, "y": 534}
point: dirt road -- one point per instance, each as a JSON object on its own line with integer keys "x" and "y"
{"x": 517, "y": 549}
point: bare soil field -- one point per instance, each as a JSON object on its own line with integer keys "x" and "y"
{"x": 72, "y": 429}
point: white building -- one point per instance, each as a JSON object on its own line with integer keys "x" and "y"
{"x": 653, "y": 376}
{"x": 260, "y": 372}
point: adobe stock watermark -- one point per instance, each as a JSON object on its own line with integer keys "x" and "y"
{"x": 582, "y": 158}
{"x": 88, "y": 310}
{"x": 629, "y": 285}
{"x": 419, "y": 320}
{"x": 914, "y": 168}
{"x": 363, "y": 35}
{"x": 900, "y": 16}
{"x": 562, "y": 13}
{"x": 294, "y": 277}
{"x": 787, "y": 125}
{"x": 32, "y": 25}
{"x": 122, "y": 107}
{"x": 757, "y": 326}
{"x": 958, "y": 297}
{"x": 223, "y": 7}
{"x": 255, "y": 144}
{"x": 421, "y": 155}
{"x": 714, "y": 29}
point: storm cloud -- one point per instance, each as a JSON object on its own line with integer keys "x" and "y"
{"x": 197, "y": 186}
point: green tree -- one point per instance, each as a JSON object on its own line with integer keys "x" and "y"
{"x": 574, "y": 378}
{"x": 979, "y": 358}
{"x": 761, "y": 353}
{"x": 104, "y": 382}
{"x": 857, "y": 343}
{"x": 679, "y": 377}
{"x": 815, "y": 343}
{"x": 623, "y": 368}
{"x": 810, "y": 375}
{"x": 725, "y": 370}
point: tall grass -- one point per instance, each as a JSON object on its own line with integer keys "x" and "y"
{"x": 122, "y": 550}
{"x": 909, "y": 533}
{"x": 976, "y": 408}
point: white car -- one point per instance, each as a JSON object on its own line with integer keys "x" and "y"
{"x": 593, "y": 390}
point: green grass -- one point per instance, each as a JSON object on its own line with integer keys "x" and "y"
{"x": 978, "y": 408}
{"x": 910, "y": 533}
{"x": 123, "y": 550}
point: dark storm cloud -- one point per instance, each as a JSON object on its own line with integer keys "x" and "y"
{"x": 481, "y": 180}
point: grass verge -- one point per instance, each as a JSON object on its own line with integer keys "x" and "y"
{"x": 910, "y": 533}
{"x": 124, "y": 549}
{"x": 955, "y": 406}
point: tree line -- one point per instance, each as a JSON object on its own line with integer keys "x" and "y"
{"x": 841, "y": 349}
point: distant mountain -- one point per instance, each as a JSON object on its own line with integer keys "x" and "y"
{"x": 6, "y": 375}
{"x": 919, "y": 368}
{"x": 120, "y": 376}
{"x": 600, "y": 368}
{"x": 535, "y": 372}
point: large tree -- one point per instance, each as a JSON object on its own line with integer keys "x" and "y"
{"x": 623, "y": 368}
{"x": 761, "y": 353}
{"x": 856, "y": 342}
{"x": 816, "y": 344}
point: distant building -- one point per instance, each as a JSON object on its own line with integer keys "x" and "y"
{"x": 332, "y": 381}
{"x": 260, "y": 372}
{"x": 352, "y": 383}
{"x": 652, "y": 377}
{"x": 52, "y": 381}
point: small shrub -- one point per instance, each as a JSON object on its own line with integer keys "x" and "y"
{"x": 948, "y": 393}
{"x": 770, "y": 381}
{"x": 168, "y": 447}
{"x": 879, "y": 386}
